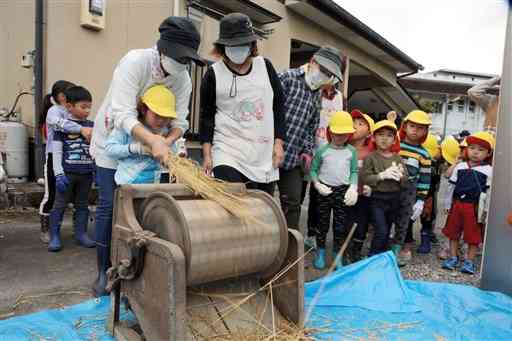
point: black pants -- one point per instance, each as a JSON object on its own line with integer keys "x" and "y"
{"x": 361, "y": 216}
{"x": 312, "y": 223}
{"x": 77, "y": 192}
{"x": 384, "y": 209}
{"x": 341, "y": 213}
{"x": 49, "y": 187}
{"x": 230, "y": 174}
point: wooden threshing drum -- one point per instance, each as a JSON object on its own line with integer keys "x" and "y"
{"x": 216, "y": 244}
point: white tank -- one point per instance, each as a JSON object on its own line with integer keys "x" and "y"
{"x": 14, "y": 150}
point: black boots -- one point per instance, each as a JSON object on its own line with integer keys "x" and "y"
{"x": 44, "y": 235}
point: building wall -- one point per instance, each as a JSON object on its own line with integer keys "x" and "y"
{"x": 88, "y": 57}
{"x": 16, "y": 38}
{"x": 462, "y": 114}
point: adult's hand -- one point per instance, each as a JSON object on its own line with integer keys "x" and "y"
{"x": 207, "y": 165}
{"x": 278, "y": 153}
{"x": 86, "y": 132}
{"x": 306, "y": 160}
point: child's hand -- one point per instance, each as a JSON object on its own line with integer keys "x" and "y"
{"x": 61, "y": 182}
{"x": 322, "y": 189}
{"x": 86, "y": 132}
{"x": 306, "y": 160}
{"x": 207, "y": 165}
{"x": 367, "y": 190}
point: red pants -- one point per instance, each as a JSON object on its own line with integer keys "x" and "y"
{"x": 462, "y": 218}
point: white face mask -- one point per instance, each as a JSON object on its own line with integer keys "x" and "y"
{"x": 315, "y": 79}
{"x": 171, "y": 66}
{"x": 238, "y": 54}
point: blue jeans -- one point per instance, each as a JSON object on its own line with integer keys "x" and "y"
{"x": 106, "y": 188}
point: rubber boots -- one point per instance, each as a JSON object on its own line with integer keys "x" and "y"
{"x": 425, "y": 243}
{"x": 103, "y": 259}
{"x": 44, "y": 236}
{"x": 55, "y": 244}
{"x": 81, "y": 219}
{"x": 319, "y": 262}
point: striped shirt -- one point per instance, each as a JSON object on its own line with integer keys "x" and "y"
{"x": 419, "y": 167}
{"x": 302, "y": 116}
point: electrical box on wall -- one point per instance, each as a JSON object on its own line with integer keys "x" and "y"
{"x": 93, "y": 14}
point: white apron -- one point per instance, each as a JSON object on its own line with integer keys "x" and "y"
{"x": 244, "y": 124}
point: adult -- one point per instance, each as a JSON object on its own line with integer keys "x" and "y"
{"x": 302, "y": 115}
{"x": 487, "y": 101}
{"x": 137, "y": 71}
{"x": 242, "y": 120}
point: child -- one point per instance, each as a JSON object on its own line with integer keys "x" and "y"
{"x": 157, "y": 108}
{"x": 73, "y": 168}
{"x": 334, "y": 175}
{"x": 385, "y": 174}
{"x": 469, "y": 182}
{"x": 413, "y": 133}
{"x": 428, "y": 215}
{"x": 450, "y": 152}
{"x": 54, "y": 118}
{"x": 332, "y": 101}
{"x": 360, "y": 140}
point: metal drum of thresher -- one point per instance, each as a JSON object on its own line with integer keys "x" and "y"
{"x": 216, "y": 244}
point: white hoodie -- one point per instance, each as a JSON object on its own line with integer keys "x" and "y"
{"x": 136, "y": 72}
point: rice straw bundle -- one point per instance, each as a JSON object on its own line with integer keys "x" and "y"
{"x": 191, "y": 174}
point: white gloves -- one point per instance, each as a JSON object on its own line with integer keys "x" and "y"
{"x": 367, "y": 191}
{"x": 351, "y": 196}
{"x": 138, "y": 148}
{"x": 322, "y": 189}
{"x": 417, "y": 209}
{"x": 393, "y": 172}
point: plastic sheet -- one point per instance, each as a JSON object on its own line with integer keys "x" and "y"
{"x": 84, "y": 321}
{"x": 369, "y": 300}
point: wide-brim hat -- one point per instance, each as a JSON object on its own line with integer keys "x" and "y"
{"x": 236, "y": 29}
{"x": 331, "y": 59}
{"x": 179, "y": 39}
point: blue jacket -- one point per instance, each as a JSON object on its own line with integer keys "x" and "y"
{"x": 132, "y": 168}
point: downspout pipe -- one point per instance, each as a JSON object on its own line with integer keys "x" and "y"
{"x": 38, "y": 87}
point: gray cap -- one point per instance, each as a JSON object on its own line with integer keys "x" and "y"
{"x": 331, "y": 59}
{"x": 236, "y": 29}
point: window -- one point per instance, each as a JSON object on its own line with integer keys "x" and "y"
{"x": 450, "y": 107}
{"x": 472, "y": 106}
{"x": 460, "y": 105}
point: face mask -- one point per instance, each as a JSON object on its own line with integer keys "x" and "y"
{"x": 315, "y": 79}
{"x": 238, "y": 54}
{"x": 171, "y": 66}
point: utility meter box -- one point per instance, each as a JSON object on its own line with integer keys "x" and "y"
{"x": 93, "y": 14}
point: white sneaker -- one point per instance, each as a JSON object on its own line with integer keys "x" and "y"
{"x": 310, "y": 243}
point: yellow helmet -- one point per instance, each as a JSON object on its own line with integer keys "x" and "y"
{"x": 160, "y": 100}
{"x": 485, "y": 136}
{"x": 431, "y": 145}
{"x": 384, "y": 124}
{"x": 419, "y": 117}
{"x": 341, "y": 123}
{"x": 450, "y": 149}
{"x": 356, "y": 113}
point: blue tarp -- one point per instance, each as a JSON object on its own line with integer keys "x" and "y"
{"x": 367, "y": 300}
{"x": 370, "y": 300}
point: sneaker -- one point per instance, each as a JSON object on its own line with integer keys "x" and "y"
{"x": 44, "y": 237}
{"x": 404, "y": 258}
{"x": 444, "y": 254}
{"x": 310, "y": 243}
{"x": 434, "y": 239}
{"x": 468, "y": 267}
{"x": 451, "y": 263}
